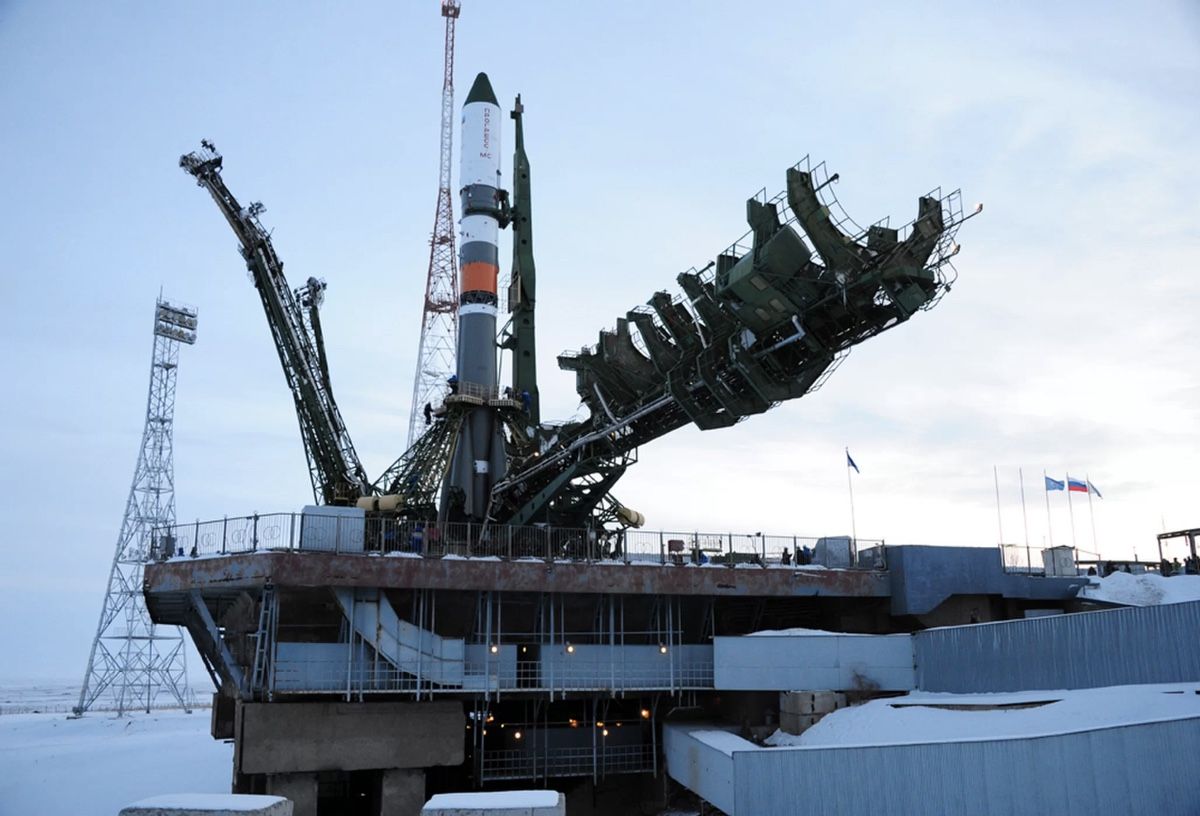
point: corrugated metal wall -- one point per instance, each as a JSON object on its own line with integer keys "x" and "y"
{"x": 1150, "y": 644}
{"x": 1123, "y": 770}
{"x": 700, "y": 768}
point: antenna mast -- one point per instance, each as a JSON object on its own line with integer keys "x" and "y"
{"x": 436, "y": 353}
{"x": 133, "y": 661}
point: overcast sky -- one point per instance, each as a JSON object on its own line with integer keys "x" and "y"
{"x": 1068, "y": 342}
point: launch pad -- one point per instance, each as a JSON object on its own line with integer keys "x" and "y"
{"x": 486, "y": 611}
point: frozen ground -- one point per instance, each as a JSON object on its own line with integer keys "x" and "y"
{"x": 30, "y": 695}
{"x": 94, "y": 766}
{"x": 925, "y": 717}
{"x": 1146, "y": 589}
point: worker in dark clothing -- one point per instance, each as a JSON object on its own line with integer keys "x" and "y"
{"x": 428, "y": 414}
{"x": 453, "y": 383}
{"x": 786, "y": 557}
{"x": 526, "y": 401}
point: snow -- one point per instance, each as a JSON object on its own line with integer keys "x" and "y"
{"x": 236, "y": 802}
{"x": 912, "y": 719}
{"x": 1146, "y": 589}
{"x": 98, "y": 764}
{"x": 814, "y": 632}
{"x": 724, "y": 741}
{"x": 494, "y": 799}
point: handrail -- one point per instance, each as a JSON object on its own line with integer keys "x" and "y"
{"x": 349, "y": 533}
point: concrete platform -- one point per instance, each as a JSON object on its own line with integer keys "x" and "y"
{"x": 315, "y": 569}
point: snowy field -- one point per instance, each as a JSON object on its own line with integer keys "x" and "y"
{"x": 94, "y": 766}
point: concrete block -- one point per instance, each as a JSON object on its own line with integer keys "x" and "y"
{"x": 798, "y": 723}
{"x": 224, "y": 709}
{"x": 497, "y": 803}
{"x": 210, "y": 804}
{"x": 825, "y": 702}
{"x": 796, "y": 702}
{"x": 299, "y": 788}
{"x": 284, "y": 738}
{"x": 402, "y": 792}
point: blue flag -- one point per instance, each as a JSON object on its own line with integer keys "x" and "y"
{"x": 850, "y": 462}
{"x": 1054, "y": 484}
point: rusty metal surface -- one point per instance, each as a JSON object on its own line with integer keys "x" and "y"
{"x": 312, "y": 569}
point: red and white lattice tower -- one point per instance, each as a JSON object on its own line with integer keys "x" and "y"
{"x": 436, "y": 351}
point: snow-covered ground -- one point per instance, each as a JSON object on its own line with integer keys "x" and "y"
{"x": 27, "y": 696}
{"x": 1146, "y": 589}
{"x": 922, "y": 717}
{"x": 95, "y": 765}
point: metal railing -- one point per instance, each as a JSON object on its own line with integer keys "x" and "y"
{"x": 377, "y": 535}
{"x": 1056, "y": 562}
{"x": 531, "y": 763}
{"x": 361, "y": 674}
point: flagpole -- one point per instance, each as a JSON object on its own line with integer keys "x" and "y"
{"x": 1025, "y": 518}
{"x": 850, "y": 485}
{"x": 1087, "y": 479}
{"x": 999, "y": 518}
{"x": 1049, "y": 521}
{"x": 1071, "y": 512}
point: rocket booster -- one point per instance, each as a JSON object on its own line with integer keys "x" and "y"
{"x": 479, "y": 459}
{"x": 478, "y": 259}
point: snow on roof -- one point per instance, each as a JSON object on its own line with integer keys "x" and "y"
{"x": 815, "y": 632}
{"x": 1146, "y": 589}
{"x": 489, "y": 800}
{"x": 215, "y": 802}
{"x": 724, "y": 741}
{"x": 922, "y": 717}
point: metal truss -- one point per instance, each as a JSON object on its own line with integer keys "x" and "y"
{"x": 135, "y": 664}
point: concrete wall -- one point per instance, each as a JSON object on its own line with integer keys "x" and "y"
{"x": 280, "y": 738}
{"x": 817, "y": 661}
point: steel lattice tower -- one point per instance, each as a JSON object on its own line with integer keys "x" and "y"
{"x": 436, "y": 351}
{"x": 133, "y": 661}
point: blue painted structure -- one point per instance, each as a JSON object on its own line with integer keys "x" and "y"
{"x": 922, "y": 577}
{"x": 820, "y": 660}
{"x": 1113, "y": 647}
{"x": 1115, "y": 770}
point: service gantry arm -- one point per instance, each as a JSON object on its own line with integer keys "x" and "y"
{"x": 337, "y": 474}
{"x": 764, "y": 323}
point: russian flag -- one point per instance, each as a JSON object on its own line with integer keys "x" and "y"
{"x": 1076, "y": 486}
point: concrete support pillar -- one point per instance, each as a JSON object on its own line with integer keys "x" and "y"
{"x": 300, "y": 788}
{"x": 402, "y": 792}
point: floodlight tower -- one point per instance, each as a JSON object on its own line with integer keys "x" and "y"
{"x": 133, "y": 661}
{"x": 436, "y": 353}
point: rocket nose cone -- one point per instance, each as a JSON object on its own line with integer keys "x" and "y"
{"x": 481, "y": 91}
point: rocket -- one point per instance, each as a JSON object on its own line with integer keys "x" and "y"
{"x": 478, "y": 461}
